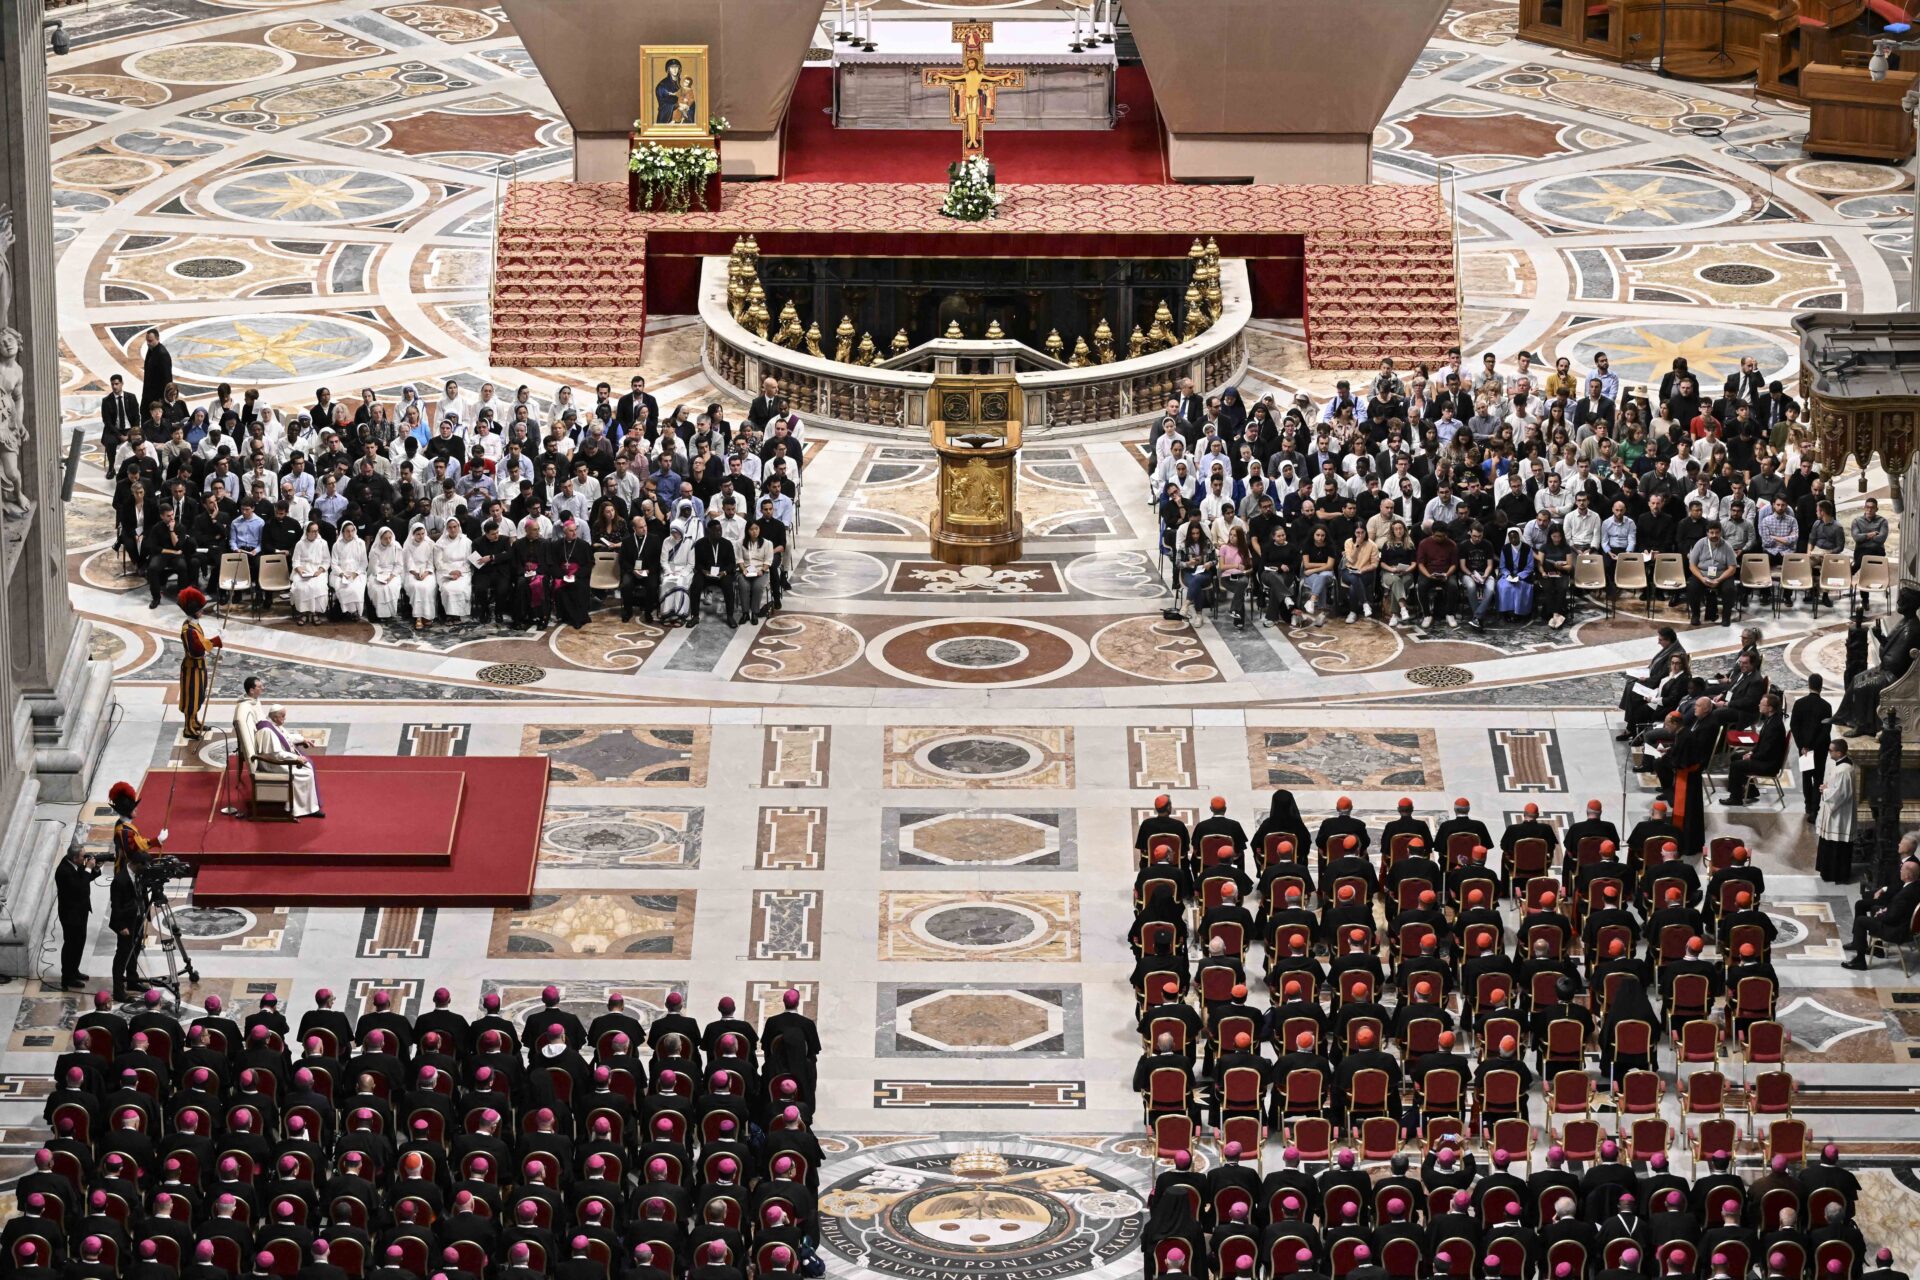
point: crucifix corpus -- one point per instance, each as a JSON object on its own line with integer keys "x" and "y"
{"x": 972, "y": 87}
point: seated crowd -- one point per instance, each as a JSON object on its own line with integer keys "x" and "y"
{"x": 397, "y": 1148}
{"x": 1414, "y": 1004}
{"x": 1446, "y": 495}
{"x": 515, "y": 510}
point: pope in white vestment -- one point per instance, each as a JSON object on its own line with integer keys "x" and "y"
{"x": 272, "y": 744}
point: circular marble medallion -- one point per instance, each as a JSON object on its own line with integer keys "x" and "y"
{"x": 209, "y": 63}
{"x": 1635, "y": 200}
{"x": 942, "y": 1210}
{"x": 1642, "y": 351}
{"x": 330, "y": 97}
{"x": 313, "y": 195}
{"x": 205, "y": 924}
{"x": 207, "y": 268}
{"x": 444, "y": 22}
{"x": 106, "y": 171}
{"x": 1615, "y": 98}
{"x": 1844, "y": 177}
{"x": 979, "y": 653}
{"x": 979, "y": 926}
{"x": 981, "y": 757}
{"x": 952, "y": 652}
{"x": 279, "y": 347}
{"x": 512, "y": 673}
{"x": 1744, "y": 274}
{"x": 1440, "y": 677}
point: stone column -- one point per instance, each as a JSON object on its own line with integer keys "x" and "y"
{"x": 50, "y": 666}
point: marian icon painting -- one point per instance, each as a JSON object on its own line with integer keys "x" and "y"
{"x": 675, "y": 98}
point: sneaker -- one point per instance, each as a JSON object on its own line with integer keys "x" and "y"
{"x": 1427, "y": 621}
{"x": 1452, "y": 621}
{"x": 1366, "y": 609}
{"x": 1557, "y": 621}
{"x": 1475, "y": 623}
{"x": 1405, "y": 616}
{"x": 1354, "y": 617}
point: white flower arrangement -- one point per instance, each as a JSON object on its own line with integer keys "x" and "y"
{"x": 971, "y": 196}
{"x": 679, "y": 174}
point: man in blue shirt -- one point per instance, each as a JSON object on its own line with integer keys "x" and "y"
{"x": 243, "y": 536}
{"x": 1619, "y": 536}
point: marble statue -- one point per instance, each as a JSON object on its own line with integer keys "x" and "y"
{"x": 13, "y": 425}
{"x": 1897, "y": 649}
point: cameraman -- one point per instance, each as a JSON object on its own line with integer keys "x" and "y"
{"x": 73, "y": 895}
{"x": 126, "y": 905}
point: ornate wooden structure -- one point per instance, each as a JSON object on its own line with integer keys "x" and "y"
{"x": 1774, "y": 41}
{"x": 1860, "y": 380}
{"x": 976, "y": 432}
{"x": 1852, "y": 114}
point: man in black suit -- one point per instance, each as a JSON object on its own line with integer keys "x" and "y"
{"x": 1455, "y": 395}
{"x": 1764, "y": 758}
{"x": 1890, "y": 922}
{"x": 119, "y": 415}
{"x": 1594, "y": 408}
{"x": 1740, "y": 698}
{"x": 168, "y": 552}
{"x": 1193, "y": 405}
{"x": 627, "y": 412}
{"x": 156, "y": 369}
{"x": 764, "y": 404}
{"x": 1811, "y": 726}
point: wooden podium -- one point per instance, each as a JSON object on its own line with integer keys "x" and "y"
{"x": 976, "y": 432}
{"x": 1852, "y": 114}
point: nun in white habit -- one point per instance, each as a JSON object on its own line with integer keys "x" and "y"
{"x": 423, "y": 590}
{"x": 349, "y": 565}
{"x": 385, "y": 568}
{"x": 452, "y": 566}
{"x": 312, "y": 558}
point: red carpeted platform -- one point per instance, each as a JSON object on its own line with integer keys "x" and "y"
{"x": 375, "y": 806}
{"x": 363, "y": 825}
{"x": 1130, "y": 152}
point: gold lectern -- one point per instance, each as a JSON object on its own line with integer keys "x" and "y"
{"x": 976, "y": 432}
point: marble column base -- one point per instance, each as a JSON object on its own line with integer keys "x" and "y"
{"x": 30, "y": 847}
{"x": 70, "y": 722}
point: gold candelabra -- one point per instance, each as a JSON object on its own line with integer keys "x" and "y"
{"x": 1055, "y": 346}
{"x": 843, "y": 340}
{"x": 1103, "y": 343}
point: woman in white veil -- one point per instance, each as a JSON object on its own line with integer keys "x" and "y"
{"x": 349, "y": 565}
{"x": 311, "y": 560}
{"x": 452, "y": 567}
{"x": 385, "y": 567}
{"x": 423, "y": 590}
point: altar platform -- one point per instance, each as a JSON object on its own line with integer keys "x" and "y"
{"x": 1370, "y": 268}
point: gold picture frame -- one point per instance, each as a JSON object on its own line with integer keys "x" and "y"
{"x": 674, "y": 84}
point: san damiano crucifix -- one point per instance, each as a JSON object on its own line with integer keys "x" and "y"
{"x": 972, "y": 87}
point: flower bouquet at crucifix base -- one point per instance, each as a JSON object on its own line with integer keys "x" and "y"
{"x": 971, "y": 196}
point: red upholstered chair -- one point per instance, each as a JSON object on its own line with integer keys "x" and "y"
{"x": 1571, "y": 1252}
{"x": 1241, "y": 1092}
{"x": 1402, "y": 1256}
{"x": 1172, "y": 1133}
{"x": 1530, "y": 859}
{"x": 1514, "y": 1135}
{"x": 1368, "y": 1095}
{"x": 1249, "y": 1131}
{"x": 1312, "y": 1136}
{"x": 1304, "y": 1093}
{"x": 1379, "y": 1138}
{"x": 1788, "y": 1137}
{"x": 1581, "y": 1138}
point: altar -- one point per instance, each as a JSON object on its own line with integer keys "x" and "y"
{"x": 886, "y": 90}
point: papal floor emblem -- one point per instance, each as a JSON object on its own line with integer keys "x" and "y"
{"x": 957, "y": 1209}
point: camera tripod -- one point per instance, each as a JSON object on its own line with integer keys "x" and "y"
{"x": 173, "y": 944}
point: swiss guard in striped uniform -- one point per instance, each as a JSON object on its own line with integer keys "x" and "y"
{"x": 193, "y": 662}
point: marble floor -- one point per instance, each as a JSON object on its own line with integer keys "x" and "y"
{"x": 911, "y": 793}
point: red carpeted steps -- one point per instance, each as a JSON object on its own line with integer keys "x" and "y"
{"x": 571, "y": 296}
{"x": 1384, "y": 294}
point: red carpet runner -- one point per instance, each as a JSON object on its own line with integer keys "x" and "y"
{"x": 1130, "y": 152}
{"x": 484, "y": 811}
